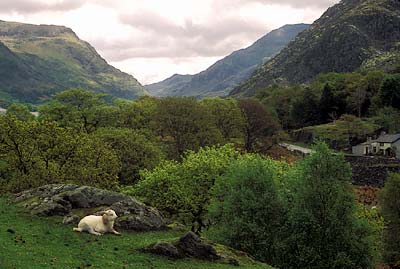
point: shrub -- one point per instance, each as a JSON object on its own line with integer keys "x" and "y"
{"x": 390, "y": 206}
{"x": 137, "y": 150}
{"x": 247, "y": 209}
{"x": 35, "y": 153}
{"x": 324, "y": 230}
{"x": 184, "y": 125}
{"x": 182, "y": 189}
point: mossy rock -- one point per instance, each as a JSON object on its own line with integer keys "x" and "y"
{"x": 68, "y": 200}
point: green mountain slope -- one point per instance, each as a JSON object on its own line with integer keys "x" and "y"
{"x": 224, "y": 75}
{"x": 350, "y": 35}
{"x": 37, "y": 61}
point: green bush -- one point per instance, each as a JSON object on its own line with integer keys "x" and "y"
{"x": 390, "y": 91}
{"x": 137, "y": 150}
{"x": 184, "y": 124}
{"x": 182, "y": 189}
{"x": 35, "y": 153}
{"x": 247, "y": 210}
{"x": 388, "y": 118}
{"x": 390, "y": 206}
{"x": 21, "y": 112}
{"x": 323, "y": 228}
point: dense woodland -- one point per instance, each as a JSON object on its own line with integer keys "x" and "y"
{"x": 203, "y": 164}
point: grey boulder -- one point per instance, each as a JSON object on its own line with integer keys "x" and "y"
{"x": 67, "y": 200}
{"x": 189, "y": 246}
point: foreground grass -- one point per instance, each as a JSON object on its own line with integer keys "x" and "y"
{"x": 32, "y": 242}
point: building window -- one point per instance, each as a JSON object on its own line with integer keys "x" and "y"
{"x": 382, "y": 144}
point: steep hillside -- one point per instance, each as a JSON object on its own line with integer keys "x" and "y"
{"x": 350, "y": 35}
{"x": 224, "y": 75}
{"x": 40, "y": 60}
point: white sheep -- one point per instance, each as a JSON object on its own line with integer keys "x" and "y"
{"x": 98, "y": 225}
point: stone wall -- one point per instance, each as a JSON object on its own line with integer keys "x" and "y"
{"x": 372, "y": 171}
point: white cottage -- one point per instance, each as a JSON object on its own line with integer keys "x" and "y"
{"x": 385, "y": 145}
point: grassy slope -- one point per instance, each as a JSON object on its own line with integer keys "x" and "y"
{"x": 45, "y": 243}
{"x": 53, "y": 58}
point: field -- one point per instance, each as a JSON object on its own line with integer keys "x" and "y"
{"x": 33, "y": 242}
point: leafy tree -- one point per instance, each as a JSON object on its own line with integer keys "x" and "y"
{"x": 279, "y": 99}
{"x": 390, "y": 91}
{"x": 21, "y": 112}
{"x": 324, "y": 230}
{"x": 227, "y": 116}
{"x": 305, "y": 110}
{"x": 390, "y": 206}
{"x": 261, "y": 125}
{"x": 137, "y": 115}
{"x": 185, "y": 124}
{"x": 137, "y": 150}
{"x": 36, "y": 153}
{"x": 247, "y": 210}
{"x": 353, "y": 128}
{"x": 388, "y": 118}
{"x": 327, "y": 104}
{"x": 182, "y": 189}
{"x": 79, "y": 109}
{"x": 358, "y": 95}
{"x": 374, "y": 81}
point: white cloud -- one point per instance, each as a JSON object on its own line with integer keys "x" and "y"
{"x": 153, "y": 39}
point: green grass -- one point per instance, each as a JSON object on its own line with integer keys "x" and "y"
{"x": 46, "y": 243}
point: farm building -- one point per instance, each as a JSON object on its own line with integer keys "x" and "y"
{"x": 385, "y": 145}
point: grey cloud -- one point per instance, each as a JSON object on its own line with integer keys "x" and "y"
{"x": 33, "y": 6}
{"x": 167, "y": 39}
{"x": 292, "y": 3}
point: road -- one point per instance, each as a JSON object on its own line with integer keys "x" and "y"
{"x": 295, "y": 148}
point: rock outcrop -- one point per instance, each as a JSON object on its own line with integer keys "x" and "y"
{"x": 73, "y": 201}
{"x": 189, "y": 245}
{"x": 192, "y": 246}
{"x": 353, "y": 34}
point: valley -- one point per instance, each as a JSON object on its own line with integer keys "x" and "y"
{"x": 283, "y": 154}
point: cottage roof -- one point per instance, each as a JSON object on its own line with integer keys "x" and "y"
{"x": 388, "y": 138}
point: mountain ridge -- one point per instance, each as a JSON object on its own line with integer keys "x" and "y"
{"x": 53, "y": 58}
{"x": 225, "y": 74}
{"x": 350, "y": 35}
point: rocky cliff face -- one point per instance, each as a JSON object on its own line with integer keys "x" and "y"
{"x": 40, "y": 60}
{"x": 224, "y": 75}
{"x": 350, "y": 35}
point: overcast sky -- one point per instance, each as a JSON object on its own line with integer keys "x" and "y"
{"x": 154, "y": 39}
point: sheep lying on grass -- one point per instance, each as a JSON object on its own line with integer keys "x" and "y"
{"x": 98, "y": 225}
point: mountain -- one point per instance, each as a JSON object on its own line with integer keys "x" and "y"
{"x": 37, "y": 61}
{"x": 224, "y": 75}
{"x": 354, "y": 34}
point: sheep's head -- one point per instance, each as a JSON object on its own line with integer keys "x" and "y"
{"x": 109, "y": 216}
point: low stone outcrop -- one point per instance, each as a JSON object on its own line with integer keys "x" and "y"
{"x": 73, "y": 201}
{"x": 189, "y": 246}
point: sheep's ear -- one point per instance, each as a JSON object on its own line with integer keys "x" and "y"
{"x": 105, "y": 219}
